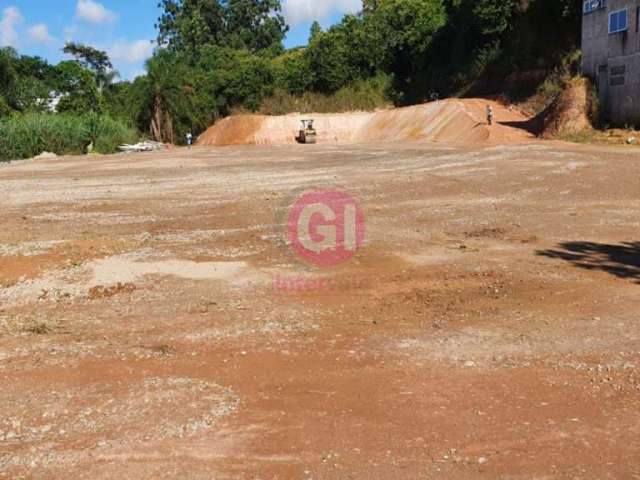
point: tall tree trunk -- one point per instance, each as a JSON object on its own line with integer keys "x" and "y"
{"x": 156, "y": 120}
{"x": 161, "y": 127}
{"x": 168, "y": 128}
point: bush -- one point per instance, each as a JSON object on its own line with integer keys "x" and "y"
{"x": 110, "y": 133}
{"x": 330, "y": 59}
{"x": 25, "y": 136}
{"x": 361, "y": 95}
{"x": 249, "y": 81}
{"x": 292, "y": 72}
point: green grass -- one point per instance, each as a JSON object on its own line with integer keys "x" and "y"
{"x": 25, "y": 136}
{"x": 587, "y": 137}
{"x": 107, "y": 134}
{"x": 362, "y": 95}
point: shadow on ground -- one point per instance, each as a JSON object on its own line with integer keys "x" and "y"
{"x": 622, "y": 260}
{"x": 535, "y": 126}
{"x": 529, "y": 126}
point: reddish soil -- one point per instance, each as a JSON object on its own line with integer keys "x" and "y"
{"x": 487, "y": 329}
{"x": 459, "y": 121}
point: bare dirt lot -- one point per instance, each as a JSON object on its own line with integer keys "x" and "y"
{"x": 487, "y": 329}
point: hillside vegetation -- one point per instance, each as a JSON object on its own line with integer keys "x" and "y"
{"x": 215, "y": 57}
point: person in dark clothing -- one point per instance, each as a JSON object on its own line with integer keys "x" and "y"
{"x": 489, "y": 115}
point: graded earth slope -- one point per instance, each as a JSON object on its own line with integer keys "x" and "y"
{"x": 453, "y": 120}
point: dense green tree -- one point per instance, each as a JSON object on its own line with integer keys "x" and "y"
{"x": 406, "y": 28}
{"x": 494, "y": 16}
{"x": 188, "y": 25}
{"x": 248, "y": 82}
{"x": 174, "y": 98}
{"x": 293, "y": 72}
{"x": 165, "y": 95}
{"x": 31, "y": 95}
{"x": 341, "y": 55}
{"x": 97, "y": 61}
{"x": 327, "y": 56}
{"x": 255, "y": 25}
{"x": 390, "y": 36}
{"x": 8, "y": 78}
{"x": 120, "y": 102}
{"x": 26, "y": 83}
{"x": 77, "y": 89}
{"x": 237, "y": 77}
{"x": 316, "y": 30}
{"x": 35, "y": 67}
{"x": 369, "y": 6}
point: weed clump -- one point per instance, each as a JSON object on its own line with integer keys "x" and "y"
{"x": 25, "y": 136}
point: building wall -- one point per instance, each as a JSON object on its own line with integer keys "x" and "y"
{"x": 613, "y": 60}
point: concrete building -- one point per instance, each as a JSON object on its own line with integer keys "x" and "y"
{"x": 611, "y": 55}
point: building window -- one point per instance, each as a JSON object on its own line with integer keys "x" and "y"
{"x": 617, "y": 81}
{"x": 589, "y": 6}
{"x": 619, "y": 70}
{"x": 618, "y": 21}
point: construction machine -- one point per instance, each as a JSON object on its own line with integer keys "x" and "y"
{"x": 307, "y": 132}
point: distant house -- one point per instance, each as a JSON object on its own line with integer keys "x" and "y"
{"x": 611, "y": 55}
{"x": 54, "y": 100}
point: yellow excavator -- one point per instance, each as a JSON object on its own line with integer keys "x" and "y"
{"x": 307, "y": 133}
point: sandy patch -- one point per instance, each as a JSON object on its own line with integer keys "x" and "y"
{"x": 28, "y": 249}
{"x": 122, "y": 269}
{"x": 127, "y": 269}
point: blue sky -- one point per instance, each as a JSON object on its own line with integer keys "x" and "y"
{"x": 125, "y": 28}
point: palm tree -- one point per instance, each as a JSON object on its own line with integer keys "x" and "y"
{"x": 164, "y": 93}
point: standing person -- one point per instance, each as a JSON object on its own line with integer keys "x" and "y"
{"x": 489, "y": 115}
{"x": 189, "y": 139}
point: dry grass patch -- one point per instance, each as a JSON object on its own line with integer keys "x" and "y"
{"x": 30, "y": 324}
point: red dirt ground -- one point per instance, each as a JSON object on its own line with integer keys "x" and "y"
{"x": 487, "y": 329}
{"x": 460, "y": 121}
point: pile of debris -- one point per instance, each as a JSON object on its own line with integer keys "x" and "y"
{"x": 45, "y": 156}
{"x": 148, "y": 146}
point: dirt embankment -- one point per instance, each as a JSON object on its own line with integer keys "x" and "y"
{"x": 453, "y": 120}
{"x": 569, "y": 113}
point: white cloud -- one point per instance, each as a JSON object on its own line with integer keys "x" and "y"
{"x": 39, "y": 33}
{"x": 131, "y": 52}
{"x": 298, "y": 12}
{"x": 94, "y": 12}
{"x": 11, "y": 18}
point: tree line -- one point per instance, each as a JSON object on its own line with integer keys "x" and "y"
{"x": 216, "y": 56}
